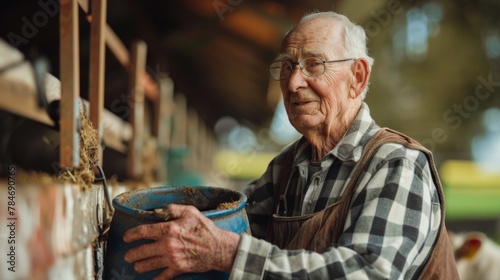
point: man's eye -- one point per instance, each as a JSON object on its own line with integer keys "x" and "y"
{"x": 313, "y": 63}
{"x": 286, "y": 65}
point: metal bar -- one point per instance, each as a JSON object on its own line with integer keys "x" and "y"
{"x": 136, "y": 118}
{"x": 70, "y": 85}
{"x": 97, "y": 64}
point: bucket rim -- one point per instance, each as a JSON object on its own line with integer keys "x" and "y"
{"x": 212, "y": 213}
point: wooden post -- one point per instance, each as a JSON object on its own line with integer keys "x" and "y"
{"x": 208, "y": 147}
{"x": 97, "y": 63}
{"x": 202, "y": 146}
{"x": 179, "y": 132}
{"x": 162, "y": 127}
{"x": 213, "y": 149}
{"x": 136, "y": 119}
{"x": 69, "y": 156}
{"x": 163, "y": 112}
{"x": 193, "y": 137}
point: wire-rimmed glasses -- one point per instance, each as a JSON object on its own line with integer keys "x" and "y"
{"x": 310, "y": 66}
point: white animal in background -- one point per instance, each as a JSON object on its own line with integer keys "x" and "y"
{"x": 477, "y": 256}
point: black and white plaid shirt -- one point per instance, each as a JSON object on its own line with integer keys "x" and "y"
{"x": 391, "y": 226}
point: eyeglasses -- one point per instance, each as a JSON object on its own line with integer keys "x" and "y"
{"x": 310, "y": 66}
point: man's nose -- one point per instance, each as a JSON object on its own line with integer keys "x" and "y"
{"x": 297, "y": 79}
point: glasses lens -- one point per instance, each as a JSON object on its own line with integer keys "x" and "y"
{"x": 280, "y": 70}
{"x": 312, "y": 66}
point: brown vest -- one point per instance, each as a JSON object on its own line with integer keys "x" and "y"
{"x": 318, "y": 231}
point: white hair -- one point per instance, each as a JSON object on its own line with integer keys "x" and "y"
{"x": 354, "y": 38}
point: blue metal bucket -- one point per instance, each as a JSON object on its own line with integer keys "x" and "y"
{"x": 128, "y": 215}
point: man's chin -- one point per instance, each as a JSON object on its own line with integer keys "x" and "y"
{"x": 304, "y": 122}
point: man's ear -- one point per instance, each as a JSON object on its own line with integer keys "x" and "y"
{"x": 361, "y": 75}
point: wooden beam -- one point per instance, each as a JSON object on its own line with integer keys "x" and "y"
{"x": 84, "y": 4}
{"x": 117, "y": 47}
{"x": 136, "y": 118}
{"x": 97, "y": 64}
{"x": 69, "y": 156}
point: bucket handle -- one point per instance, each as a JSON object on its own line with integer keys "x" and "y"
{"x": 106, "y": 189}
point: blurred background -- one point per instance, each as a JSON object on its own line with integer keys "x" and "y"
{"x": 436, "y": 78}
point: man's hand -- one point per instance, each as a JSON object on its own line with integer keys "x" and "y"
{"x": 188, "y": 242}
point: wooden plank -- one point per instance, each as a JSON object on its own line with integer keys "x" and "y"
{"x": 97, "y": 63}
{"x": 136, "y": 118}
{"x": 70, "y": 85}
{"x": 17, "y": 86}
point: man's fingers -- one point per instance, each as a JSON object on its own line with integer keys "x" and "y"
{"x": 142, "y": 252}
{"x": 150, "y": 231}
{"x": 175, "y": 210}
{"x": 171, "y": 212}
{"x": 162, "y": 213}
{"x": 154, "y": 231}
{"x": 150, "y": 264}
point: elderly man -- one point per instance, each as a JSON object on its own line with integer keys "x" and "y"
{"x": 332, "y": 205}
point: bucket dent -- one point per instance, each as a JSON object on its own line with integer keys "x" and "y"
{"x": 226, "y": 208}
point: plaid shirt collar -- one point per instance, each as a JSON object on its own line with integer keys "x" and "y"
{"x": 351, "y": 145}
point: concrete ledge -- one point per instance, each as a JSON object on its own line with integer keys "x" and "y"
{"x": 53, "y": 228}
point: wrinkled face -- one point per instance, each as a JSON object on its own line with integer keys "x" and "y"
{"x": 316, "y": 103}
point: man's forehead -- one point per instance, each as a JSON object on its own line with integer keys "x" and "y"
{"x": 313, "y": 38}
{"x": 290, "y": 55}
{"x": 321, "y": 26}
